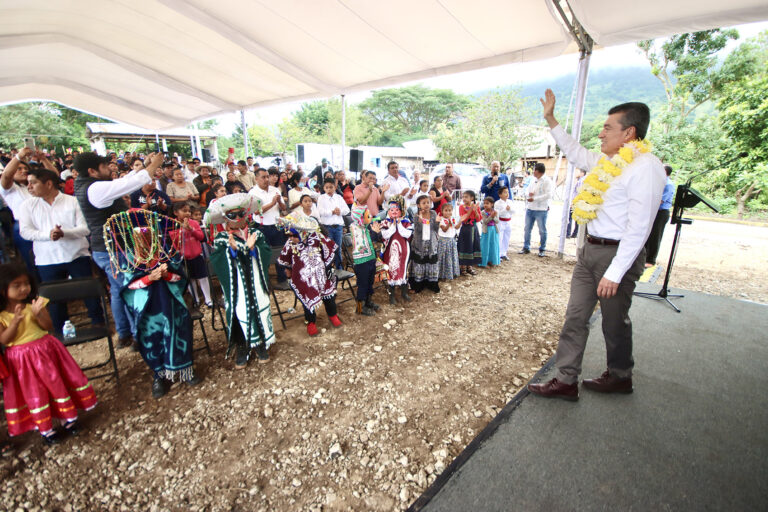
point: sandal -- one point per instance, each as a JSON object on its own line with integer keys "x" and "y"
{"x": 471, "y": 271}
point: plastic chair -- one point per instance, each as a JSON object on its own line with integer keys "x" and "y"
{"x": 78, "y": 289}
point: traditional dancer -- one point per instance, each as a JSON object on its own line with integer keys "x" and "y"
{"x": 396, "y": 231}
{"x": 241, "y": 257}
{"x": 141, "y": 249}
{"x": 308, "y": 257}
{"x": 42, "y": 381}
{"x": 364, "y": 258}
{"x": 426, "y": 270}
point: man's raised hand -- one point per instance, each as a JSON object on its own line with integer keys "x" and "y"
{"x": 548, "y": 107}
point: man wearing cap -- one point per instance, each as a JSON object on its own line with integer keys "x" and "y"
{"x": 100, "y": 197}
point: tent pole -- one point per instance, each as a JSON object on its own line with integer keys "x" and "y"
{"x": 343, "y": 130}
{"x": 578, "y": 116}
{"x": 245, "y": 134}
{"x": 197, "y": 143}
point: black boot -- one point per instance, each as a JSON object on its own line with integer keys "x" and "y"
{"x": 404, "y": 293}
{"x": 417, "y": 286}
{"x": 434, "y": 286}
{"x": 391, "y": 292}
{"x": 243, "y": 351}
{"x": 160, "y": 387}
{"x": 363, "y": 309}
{"x": 369, "y": 303}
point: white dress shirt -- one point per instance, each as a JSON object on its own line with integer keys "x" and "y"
{"x": 629, "y": 206}
{"x": 542, "y": 190}
{"x": 397, "y": 186}
{"x": 37, "y": 219}
{"x": 269, "y": 217}
{"x": 103, "y": 193}
{"x": 15, "y": 196}
{"x": 325, "y": 206}
{"x": 501, "y": 207}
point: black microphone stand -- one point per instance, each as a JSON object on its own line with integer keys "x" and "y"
{"x": 685, "y": 197}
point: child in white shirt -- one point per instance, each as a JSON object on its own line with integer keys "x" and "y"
{"x": 331, "y": 208}
{"x": 505, "y": 208}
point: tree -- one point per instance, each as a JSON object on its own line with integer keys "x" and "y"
{"x": 743, "y": 107}
{"x": 686, "y": 66}
{"x": 313, "y": 118}
{"x": 53, "y": 126}
{"x": 496, "y": 126}
{"x": 409, "y": 113}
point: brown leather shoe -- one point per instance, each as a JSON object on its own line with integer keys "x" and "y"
{"x": 607, "y": 383}
{"x": 555, "y": 389}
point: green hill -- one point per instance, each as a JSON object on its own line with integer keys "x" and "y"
{"x": 605, "y": 88}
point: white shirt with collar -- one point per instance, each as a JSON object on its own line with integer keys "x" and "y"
{"x": 501, "y": 207}
{"x": 542, "y": 190}
{"x": 629, "y": 206}
{"x": 325, "y": 206}
{"x": 15, "y": 196}
{"x": 37, "y": 219}
{"x": 269, "y": 217}
{"x": 397, "y": 186}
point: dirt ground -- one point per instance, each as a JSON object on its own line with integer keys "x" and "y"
{"x": 360, "y": 418}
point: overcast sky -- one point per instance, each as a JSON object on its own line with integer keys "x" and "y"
{"x": 616, "y": 56}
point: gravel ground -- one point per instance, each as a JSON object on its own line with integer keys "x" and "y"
{"x": 360, "y": 418}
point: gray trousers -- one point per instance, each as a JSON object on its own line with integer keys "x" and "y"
{"x": 617, "y": 327}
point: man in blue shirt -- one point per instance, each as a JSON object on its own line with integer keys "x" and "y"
{"x": 660, "y": 222}
{"x": 495, "y": 182}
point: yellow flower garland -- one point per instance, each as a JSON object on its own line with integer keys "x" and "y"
{"x": 587, "y": 202}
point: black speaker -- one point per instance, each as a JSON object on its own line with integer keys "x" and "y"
{"x": 355, "y": 160}
{"x": 299, "y": 153}
{"x": 207, "y": 157}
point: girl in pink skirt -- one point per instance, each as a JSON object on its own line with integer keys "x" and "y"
{"x": 43, "y": 381}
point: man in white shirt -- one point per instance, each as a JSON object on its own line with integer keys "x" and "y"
{"x": 100, "y": 197}
{"x": 613, "y": 258}
{"x": 537, "y": 208}
{"x": 271, "y": 204}
{"x": 58, "y": 231}
{"x": 394, "y": 184}
{"x": 331, "y": 208}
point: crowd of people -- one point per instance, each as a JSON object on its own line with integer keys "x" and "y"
{"x": 155, "y": 225}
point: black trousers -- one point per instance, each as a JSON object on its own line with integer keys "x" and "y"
{"x": 654, "y": 239}
{"x": 330, "y": 309}
{"x": 365, "y": 274}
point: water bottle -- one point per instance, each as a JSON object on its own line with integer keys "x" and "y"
{"x": 68, "y": 330}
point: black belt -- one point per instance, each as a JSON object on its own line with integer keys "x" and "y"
{"x": 601, "y": 241}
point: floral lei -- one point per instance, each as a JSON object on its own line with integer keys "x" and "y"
{"x": 588, "y": 201}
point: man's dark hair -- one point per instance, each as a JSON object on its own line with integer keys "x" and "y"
{"x": 45, "y": 175}
{"x": 668, "y": 170}
{"x": 88, "y": 160}
{"x": 326, "y": 181}
{"x": 368, "y": 173}
{"x": 241, "y": 162}
{"x": 390, "y": 164}
{"x": 634, "y": 114}
{"x": 196, "y": 160}
{"x": 540, "y": 167}
{"x": 273, "y": 171}
{"x": 261, "y": 170}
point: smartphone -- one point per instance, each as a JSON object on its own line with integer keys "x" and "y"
{"x": 29, "y": 142}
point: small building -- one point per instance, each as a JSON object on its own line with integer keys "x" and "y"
{"x": 100, "y": 133}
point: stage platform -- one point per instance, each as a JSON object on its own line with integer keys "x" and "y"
{"x": 693, "y": 436}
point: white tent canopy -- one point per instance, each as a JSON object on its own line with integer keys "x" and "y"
{"x": 163, "y": 63}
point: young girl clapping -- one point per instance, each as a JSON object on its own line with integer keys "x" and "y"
{"x": 43, "y": 381}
